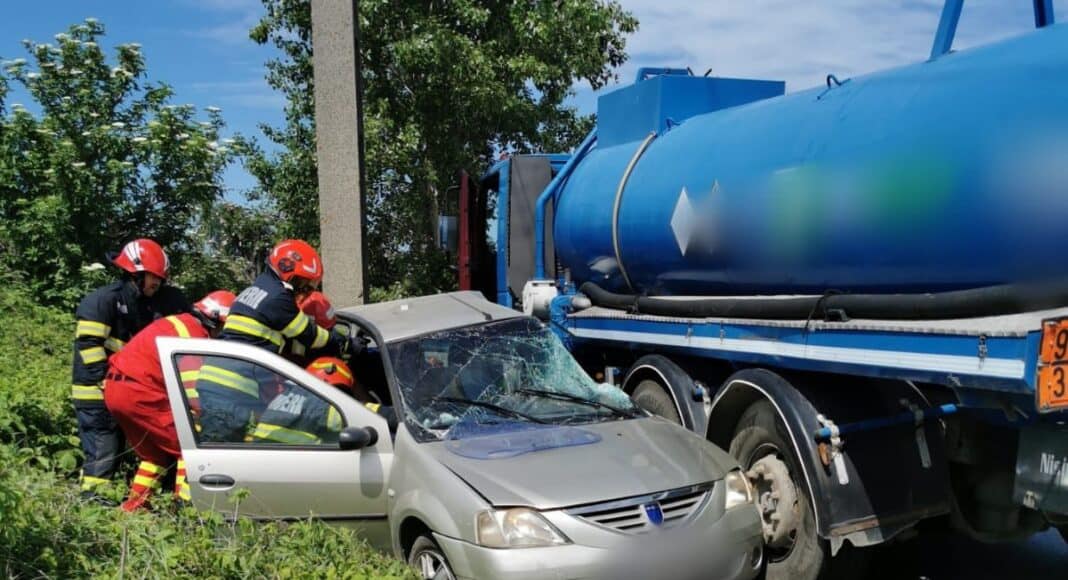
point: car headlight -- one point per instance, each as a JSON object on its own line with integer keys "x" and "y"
{"x": 739, "y": 490}
{"x": 515, "y": 528}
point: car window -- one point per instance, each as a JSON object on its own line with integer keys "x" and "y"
{"x": 236, "y": 401}
{"x": 466, "y": 381}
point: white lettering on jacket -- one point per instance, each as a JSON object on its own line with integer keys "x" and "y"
{"x": 291, "y": 403}
{"x": 252, "y": 296}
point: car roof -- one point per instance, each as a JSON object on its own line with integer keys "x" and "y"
{"x": 408, "y": 317}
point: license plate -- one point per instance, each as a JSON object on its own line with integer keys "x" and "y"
{"x": 1051, "y": 392}
{"x": 1042, "y": 469}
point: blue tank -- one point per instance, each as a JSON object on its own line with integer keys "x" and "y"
{"x": 948, "y": 174}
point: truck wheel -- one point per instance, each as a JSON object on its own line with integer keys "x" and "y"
{"x": 654, "y": 382}
{"x": 793, "y": 548}
{"x": 653, "y": 397}
{"x": 429, "y": 561}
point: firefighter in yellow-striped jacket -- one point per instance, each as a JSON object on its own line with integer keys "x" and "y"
{"x": 299, "y": 418}
{"x": 296, "y": 417}
{"x": 107, "y": 318}
{"x": 233, "y": 393}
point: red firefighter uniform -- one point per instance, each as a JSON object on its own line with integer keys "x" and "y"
{"x": 189, "y": 371}
{"x": 136, "y": 396}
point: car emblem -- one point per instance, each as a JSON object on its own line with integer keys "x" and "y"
{"x": 653, "y": 513}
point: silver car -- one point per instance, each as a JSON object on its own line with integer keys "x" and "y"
{"x": 506, "y": 461}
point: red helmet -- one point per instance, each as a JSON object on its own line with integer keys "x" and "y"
{"x": 332, "y": 371}
{"x": 296, "y": 259}
{"x": 215, "y": 307}
{"x": 316, "y": 305}
{"x": 143, "y": 255}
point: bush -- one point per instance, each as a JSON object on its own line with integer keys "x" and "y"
{"x": 101, "y": 157}
{"x": 48, "y": 532}
{"x": 35, "y": 412}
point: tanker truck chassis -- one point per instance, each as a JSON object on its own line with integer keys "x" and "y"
{"x": 848, "y": 288}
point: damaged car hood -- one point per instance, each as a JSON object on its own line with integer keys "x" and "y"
{"x": 625, "y": 458}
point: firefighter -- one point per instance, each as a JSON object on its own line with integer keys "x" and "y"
{"x": 297, "y": 417}
{"x": 233, "y": 392}
{"x": 107, "y": 318}
{"x": 318, "y": 307}
{"x": 137, "y": 396}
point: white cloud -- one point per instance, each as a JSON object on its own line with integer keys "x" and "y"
{"x": 801, "y": 41}
{"x": 239, "y": 15}
{"x": 227, "y": 5}
{"x": 230, "y": 33}
{"x": 246, "y": 94}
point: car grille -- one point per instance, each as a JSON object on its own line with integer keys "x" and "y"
{"x": 632, "y": 516}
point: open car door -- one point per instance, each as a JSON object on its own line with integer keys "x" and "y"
{"x": 267, "y": 471}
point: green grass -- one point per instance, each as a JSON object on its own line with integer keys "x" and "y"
{"x": 46, "y": 532}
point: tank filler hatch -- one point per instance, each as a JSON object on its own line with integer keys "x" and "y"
{"x": 655, "y": 103}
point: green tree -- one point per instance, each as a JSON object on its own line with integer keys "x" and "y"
{"x": 230, "y": 247}
{"x": 106, "y": 159}
{"x": 446, "y": 85}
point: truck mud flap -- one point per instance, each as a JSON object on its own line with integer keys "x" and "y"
{"x": 1042, "y": 469}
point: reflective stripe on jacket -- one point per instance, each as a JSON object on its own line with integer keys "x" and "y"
{"x": 107, "y": 318}
{"x": 265, "y": 314}
{"x": 298, "y": 418}
{"x": 216, "y": 375}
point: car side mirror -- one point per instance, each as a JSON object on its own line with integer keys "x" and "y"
{"x": 357, "y": 437}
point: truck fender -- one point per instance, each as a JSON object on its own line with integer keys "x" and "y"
{"x": 746, "y": 387}
{"x": 883, "y": 488}
{"x": 676, "y": 383}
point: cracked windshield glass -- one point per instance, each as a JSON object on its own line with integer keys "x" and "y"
{"x": 515, "y": 373}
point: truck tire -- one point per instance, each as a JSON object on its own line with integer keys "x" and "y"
{"x": 794, "y": 549}
{"x": 653, "y": 397}
{"x": 429, "y": 561}
{"x": 658, "y": 385}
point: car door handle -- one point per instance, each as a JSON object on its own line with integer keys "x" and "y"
{"x": 215, "y": 480}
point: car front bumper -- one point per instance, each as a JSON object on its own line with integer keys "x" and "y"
{"x": 729, "y": 548}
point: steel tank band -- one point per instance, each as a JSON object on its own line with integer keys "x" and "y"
{"x": 619, "y": 201}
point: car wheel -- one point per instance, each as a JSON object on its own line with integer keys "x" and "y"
{"x": 793, "y": 548}
{"x": 429, "y": 561}
{"x": 653, "y": 397}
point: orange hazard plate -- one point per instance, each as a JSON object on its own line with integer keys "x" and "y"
{"x": 1052, "y": 388}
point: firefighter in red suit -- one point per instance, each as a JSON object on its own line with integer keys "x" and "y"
{"x": 136, "y": 396}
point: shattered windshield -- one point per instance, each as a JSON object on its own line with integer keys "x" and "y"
{"x": 462, "y": 381}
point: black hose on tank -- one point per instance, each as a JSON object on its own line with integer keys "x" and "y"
{"x": 972, "y": 303}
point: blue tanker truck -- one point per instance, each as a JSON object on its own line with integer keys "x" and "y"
{"x": 859, "y": 290}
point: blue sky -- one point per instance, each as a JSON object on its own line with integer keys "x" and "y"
{"x": 201, "y": 47}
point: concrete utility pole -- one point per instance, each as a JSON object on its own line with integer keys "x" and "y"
{"x": 339, "y": 148}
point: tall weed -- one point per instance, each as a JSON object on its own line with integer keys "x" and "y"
{"x": 47, "y": 532}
